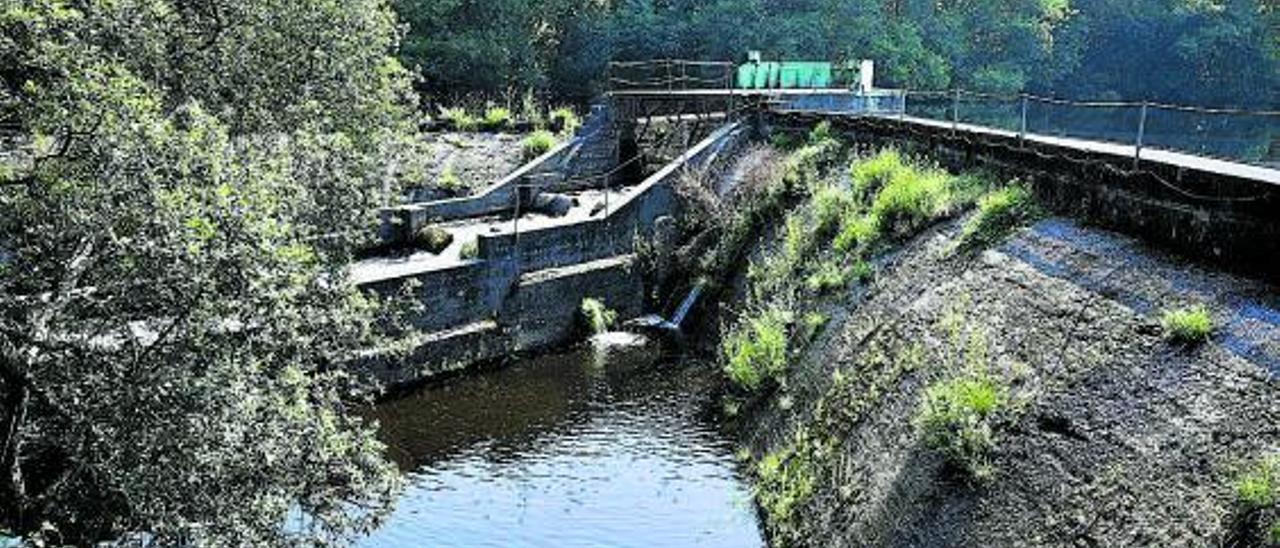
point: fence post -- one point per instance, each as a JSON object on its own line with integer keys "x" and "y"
{"x": 670, "y": 82}
{"x": 902, "y": 113}
{"x": 1022, "y": 132}
{"x": 1142, "y": 133}
{"x": 955, "y": 111}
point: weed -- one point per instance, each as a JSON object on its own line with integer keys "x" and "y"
{"x": 531, "y": 111}
{"x": 433, "y": 239}
{"x": 786, "y": 481}
{"x": 470, "y": 250}
{"x": 821, "y": 133}
{"x": 565, "y": 121}
{"x": 756, "y": 350}
{"x": 911, "y": 199}
{"x": 598, "y": 317}
{"x": 858, "y": 233}
{"x": 784, "y": 141}
{"x": 536, "y": 144}
{"x": 863, "y": 271}
{"x": 829, "y": 278}
{"x": 498, "y": 118}
{"x": 1188, "y": 325}
{"x": 870, "y": 174}
{"x": 449, "y": 182}
{"x": 957, "y": 418}
{"x": 831, "y": 204}
{"x": 460, "y": 119}
{"x": 1258, "y": 499}
{"x": 999, "y": 212}
{"x": 812, "y": 325}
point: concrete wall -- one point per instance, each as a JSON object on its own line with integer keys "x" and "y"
{"x": 523, "y": 294}
{"x": 572, "y": 165}
{"x": 1231, "y": 221}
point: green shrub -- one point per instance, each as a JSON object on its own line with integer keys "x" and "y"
{"x": 863, "y": 271}
{"x": 821, "y": 133}
{"x": 433, "y": 239}
{"x": 1257, "y": 492}
{"x": 785, "y": 482}
{"x": 831, "y": 204}
{"x": 537, "y": 143}
{"x": 756, "y": 350}
{"x": 598, "y": 317}
{"x": 911, "y": 199}
{"x": 565, "y": 121}
{"x": 531, "y": 111}
{"x": 812, "y": 324}
{"x": 999, "y": 212}
{"x": 498, "y": 118}
{"x": 797, "y": 238}
{"x": 784, "y": 141}
{"x": 829, "y": 278}
{"x": 449, "y": 181}
{"x": 868, "y": 175}
{"x": 470, "y": 250}
{"x": 1188, "y": 325}
{"x": 460, "y": 119}
{"x": 857, "y": 232}
{"x": 958, "y": 418}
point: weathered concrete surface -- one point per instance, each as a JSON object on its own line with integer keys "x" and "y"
{"x": 1120, "y": 438}
{"x": 576, "y": 164}
{"x": 522, "y": 292}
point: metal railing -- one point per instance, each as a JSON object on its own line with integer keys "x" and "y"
{"x": 1237, "y": 135}
{"x": 671, "y": 75}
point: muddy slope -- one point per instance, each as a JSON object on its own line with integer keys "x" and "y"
{"x": 1119, "y": 438}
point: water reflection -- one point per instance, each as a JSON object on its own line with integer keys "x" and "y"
{"x": 561, "y": 451}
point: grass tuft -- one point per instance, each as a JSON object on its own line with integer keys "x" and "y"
{"x": 1257, "y": 493}
{"x": 564, "y": 121}
{"x": 868, "y": 175}
{"x": 786, "y": 481}
{"x": 912, "y": 198}
{"x": 1000, "y": 211}
{"x": 957, "y": 418}
{"x": 598, "y": 317}
{"x": 449, "y": 182}
{"x": 498, "y": 118}
{"x": 755, "y": 350}
{"x": 460, "y": 119}
{"x": 536, "y": 144}
{"x": 1192, "y": 325}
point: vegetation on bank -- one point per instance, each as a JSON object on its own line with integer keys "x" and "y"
{"x": 597, "y": 317}
{"x": 1257, "y": 494}
{"x": 536, "y": 144}
{"x": 561, "y": 121}
{"x": 836, "y": 224}
{"x": 1193, "y": 325}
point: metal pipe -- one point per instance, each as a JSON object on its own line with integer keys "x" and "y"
{"x": 1022, "y": 132}
{"x": 955, "y": 111}
{"x": 1142, "y": 133}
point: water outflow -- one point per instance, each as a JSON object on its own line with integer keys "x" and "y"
{"x": 674, "y": 326}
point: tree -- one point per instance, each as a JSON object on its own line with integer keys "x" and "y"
{"x": 173, "y": 306}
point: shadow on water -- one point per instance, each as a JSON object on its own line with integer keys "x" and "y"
{"x": 567, "y": 450}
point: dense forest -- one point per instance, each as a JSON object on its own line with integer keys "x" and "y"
{"x": 1199, "y": 52}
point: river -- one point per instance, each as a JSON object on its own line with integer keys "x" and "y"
{"x": 564, "y": 451}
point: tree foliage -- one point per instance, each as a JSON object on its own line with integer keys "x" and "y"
{"x": 172, "y": 297}
{"x": 1220, "y": 52}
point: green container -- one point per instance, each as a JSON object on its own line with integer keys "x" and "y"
{"x": 747, "y": 76}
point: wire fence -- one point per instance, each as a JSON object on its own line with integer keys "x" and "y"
{"x": 671, "y": 75}
{"x": 1243, "y": 136}
{"x": 1237, "y": 135}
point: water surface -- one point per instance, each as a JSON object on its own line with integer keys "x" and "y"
{"x": 561, "y": 451}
